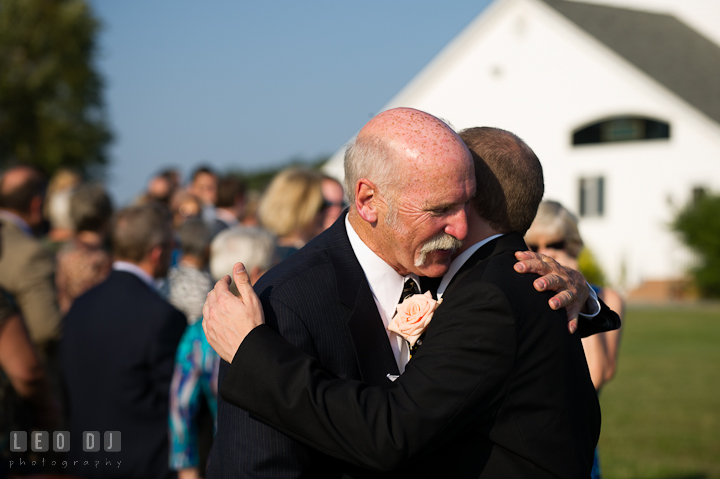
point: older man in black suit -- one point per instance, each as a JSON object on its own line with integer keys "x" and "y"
{"x": 334, "y": 299}
{"x": 118, "y": 351}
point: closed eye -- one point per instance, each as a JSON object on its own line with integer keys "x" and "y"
{"x": 441, "y": 210}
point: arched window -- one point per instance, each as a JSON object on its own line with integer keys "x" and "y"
{"x": 621, "y": 128}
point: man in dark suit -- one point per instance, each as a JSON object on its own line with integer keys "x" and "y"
{"x": 118, "y": 351}
{"x": 497, "y": 389}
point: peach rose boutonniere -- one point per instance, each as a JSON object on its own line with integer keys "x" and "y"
{"x": 412, "y": 317}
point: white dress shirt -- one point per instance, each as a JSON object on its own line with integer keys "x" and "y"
{"x": 386, "y": 286}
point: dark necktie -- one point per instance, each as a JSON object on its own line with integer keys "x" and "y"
{"x": 410, "y": 288}
{"x": 430, "y": 284}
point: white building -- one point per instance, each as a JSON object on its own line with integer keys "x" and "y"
{"x": 621, "y": 105}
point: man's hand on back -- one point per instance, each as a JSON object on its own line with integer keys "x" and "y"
{"x": 227, "y": 319}
{"x": 571, "y": 288}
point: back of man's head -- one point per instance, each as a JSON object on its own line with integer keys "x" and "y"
{"x": 19, "y": 186}
{"x": 509, "y": 179}
{"x": 254, "y": 247}
{"x": 136, "y": 230}
{"x": 90, "y": 208}
{"x": 231, "y": 189}
{"x": 195, "y": 238}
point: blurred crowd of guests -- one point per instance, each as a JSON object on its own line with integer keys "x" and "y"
{"x": 100, "y": 308}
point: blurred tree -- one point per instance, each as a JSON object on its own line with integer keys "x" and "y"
{"x": 51, "y": 108}
{"x": 699, "y": 227}
{"x": 589, "y": 267}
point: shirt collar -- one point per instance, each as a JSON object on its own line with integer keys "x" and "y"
{"x": 137, "y": 271}
{"x": 385, "y": 283}
{"x": 460, "y": 261}
{"x": 17, "y": 221}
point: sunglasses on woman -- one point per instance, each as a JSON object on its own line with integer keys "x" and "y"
{"x": 558, "y": 245}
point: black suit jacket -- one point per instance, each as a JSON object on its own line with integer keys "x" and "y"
{"x": 498, "y": 388}
{"x": 117, "y": 355}
{"x": 320, "y": 301}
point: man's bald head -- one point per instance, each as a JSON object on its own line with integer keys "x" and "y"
{"x": 396, "y": 141}
{"x": 19, "y": 186}
{"x": 409, "y": 177}
{"x": 508, "y": 176}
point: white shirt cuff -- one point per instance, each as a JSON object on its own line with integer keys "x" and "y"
{"x": 592, "y": 303}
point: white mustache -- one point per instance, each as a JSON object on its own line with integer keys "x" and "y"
{"x": 443, "y": 241}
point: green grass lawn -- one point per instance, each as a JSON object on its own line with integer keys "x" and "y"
{"x": 661, "y": 413}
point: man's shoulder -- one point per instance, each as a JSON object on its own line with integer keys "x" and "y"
{"x": 312, "y": 266}
{"x": 122, "y": 292}
{"x": 494, "y": 271}
{"x": 494, "y": 260}
{"x": 22, "y": 246}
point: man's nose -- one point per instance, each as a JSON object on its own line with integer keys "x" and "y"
{"x": 457, "y": 225}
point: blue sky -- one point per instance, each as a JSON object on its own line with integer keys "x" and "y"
{"x": 249, "y": 85}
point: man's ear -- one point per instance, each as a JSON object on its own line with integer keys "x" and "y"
{"x": 36, "y": 207}
{"x": 155, "y": 254}
{"x": 366, "y": 200}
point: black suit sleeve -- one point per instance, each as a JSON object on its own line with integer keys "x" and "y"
{"x": 606, "y": 320}
{"x": 458, "y": 375}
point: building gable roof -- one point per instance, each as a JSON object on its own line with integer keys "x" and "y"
{"x": 660, "y": 45}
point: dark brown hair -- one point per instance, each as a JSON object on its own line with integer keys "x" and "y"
{"x": 229, "y": 188}
{"x": 509, "y": 179}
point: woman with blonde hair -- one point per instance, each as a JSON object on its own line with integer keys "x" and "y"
{"x": 291, "y": 209}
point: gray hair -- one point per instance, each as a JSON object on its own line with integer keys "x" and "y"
{"x": 90, "y": 208}
{"x": 553, "y": 219}
{"x": 194, "y": 237}
{"x": 372, "y": 158}
{"x": 251, "y": 246}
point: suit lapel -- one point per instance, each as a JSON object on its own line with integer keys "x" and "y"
{"x": 372, "y": 347}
